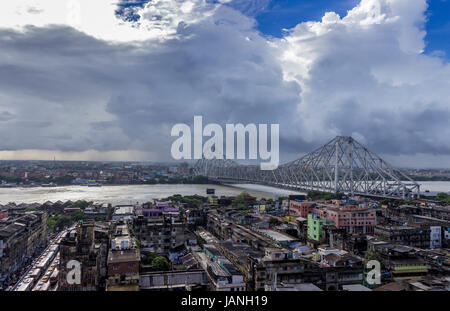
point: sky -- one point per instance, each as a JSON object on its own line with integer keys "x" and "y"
{"x": 77, "y": 84}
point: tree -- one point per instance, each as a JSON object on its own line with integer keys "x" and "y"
{"x": 63, "y": 180}
{"x": 148, "y": 259}
{"x": 319, "y": 195}
{"x": 160, "y": 264}
{"x": 79, "y": 215}
{"x": 443, "y": 197}
{"x": 109, "y": 212}
{"x": 385, "y": 202}
{"x": 57, "y": 223}
{"x": 371, "y": 255}
{"x": 190, "y": 200}
{"x": 243, "y": 195}
{"x": 273, "y": 221}
{"x": 242, "y": 206}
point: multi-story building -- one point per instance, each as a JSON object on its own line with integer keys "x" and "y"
{"x": 279, "y": 267}
{"x": 435, "y": 237}
{"x": 159, "y": 209}
{"x": 405, "y": 212}
{"x": 432, "y": 218}
{"x": 20, "y": 238}
{"x": 352, "y": 242}
{"x": 402, "y": 262}
{"x": 315, "y": 226}
{"x": 438, "y": 261}
{"x": 217, "y": 224}
{"x": 223, "y": 275}
{"x": 80, "y": 246}
{"x": 195, "y": 279}
{"x": 300, "y": 208}
{"x": 252, "y": 237}
{"x": 404, "y": 235}
{"x": 123, "y": 261}
{"x": 223, "y": 225}
{"x": 239, "y": 254}
{"x": 159, "y": 234}
{"x": 194, "y": 217}
{"x": 123, "y": 212}
{"x": 351, "y": 219}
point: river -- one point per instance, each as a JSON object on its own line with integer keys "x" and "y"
{"x": 127, "y": 194}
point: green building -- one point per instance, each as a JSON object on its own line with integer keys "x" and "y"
{"x": 315, "y": 225}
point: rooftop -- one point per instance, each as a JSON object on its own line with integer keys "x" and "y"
{"x": 217, "y": 270}
{"x": 123, "y": 210}
{"x": 303, "y": 287}
{"x": 278, "y": 236}
{"x": 116, "y": 256}
{"x": 356, "y": 288}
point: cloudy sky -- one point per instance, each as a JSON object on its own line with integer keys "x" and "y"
{"x": 107, "y": 79}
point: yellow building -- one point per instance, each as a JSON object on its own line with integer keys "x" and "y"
{"x": 213, "y": 200}
{"x": 408, "y": 269}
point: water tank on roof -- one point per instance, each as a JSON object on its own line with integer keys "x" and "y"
{"x": 124, "y": 244}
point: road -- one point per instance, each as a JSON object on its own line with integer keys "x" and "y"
{"x": 34, "y": 277}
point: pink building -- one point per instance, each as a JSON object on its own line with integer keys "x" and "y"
{"x": 3, "y": 214}
{"x": 352, "y": 219}
{"x": 300, "y": 209}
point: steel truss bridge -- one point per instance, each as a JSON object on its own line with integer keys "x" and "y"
{"x": 341, "y": 165}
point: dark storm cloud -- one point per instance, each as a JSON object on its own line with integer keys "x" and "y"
{"x": 113, "y": 96}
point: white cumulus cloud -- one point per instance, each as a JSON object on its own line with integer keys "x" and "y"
{"x": 366, "y": 73}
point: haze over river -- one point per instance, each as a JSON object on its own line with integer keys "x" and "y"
{"x": 127, "y": 194}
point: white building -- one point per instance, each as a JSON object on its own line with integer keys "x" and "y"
{"x": 223, "y": 275}
{"x": 123, "y": 212}
{"x": 435, "y": 237}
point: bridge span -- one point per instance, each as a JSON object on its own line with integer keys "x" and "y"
{"x": 341, "y": 165}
